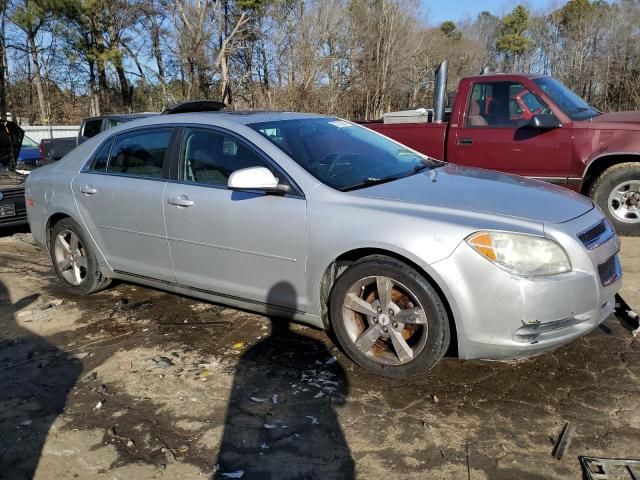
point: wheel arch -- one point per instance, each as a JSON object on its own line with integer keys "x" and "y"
{"x": 339, "y": 264}
{"x": 51, "y": 221}
{"x": 599, "y": 164}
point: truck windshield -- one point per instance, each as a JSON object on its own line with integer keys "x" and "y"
{"x": 570, "y": 103}
{"x": 341, "y": 154}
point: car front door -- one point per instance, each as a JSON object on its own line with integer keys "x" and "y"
{"x": 119, "y": 195}
{"x": 495, "y": 134}
{"x": 246, "y": 244}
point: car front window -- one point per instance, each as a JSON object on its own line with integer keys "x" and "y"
{"x": 570, "y": 103}
{"x": 343, "y": 155}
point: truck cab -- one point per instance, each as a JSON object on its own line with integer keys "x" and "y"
{"x": 534, "y": 126}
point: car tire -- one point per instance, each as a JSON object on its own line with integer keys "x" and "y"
{"x": 427, "y": 336}
{"x": 608, "y": 192}
{"x": 87, "y": 278}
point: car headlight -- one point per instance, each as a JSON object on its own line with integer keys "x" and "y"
{"x": 521, "y": 254}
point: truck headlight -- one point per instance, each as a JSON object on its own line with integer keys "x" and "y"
{"x": 521, "y": 254}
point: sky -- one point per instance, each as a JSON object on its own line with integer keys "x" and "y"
{"x": 440, "y": 10}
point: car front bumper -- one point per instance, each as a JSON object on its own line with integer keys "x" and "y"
{"x": 500, "y": 315}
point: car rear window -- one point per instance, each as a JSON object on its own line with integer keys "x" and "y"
{"x": 100, "y": 159}
{"x": 140, "y": 153}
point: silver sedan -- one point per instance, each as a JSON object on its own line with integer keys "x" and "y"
{"x": 322, "y": 221}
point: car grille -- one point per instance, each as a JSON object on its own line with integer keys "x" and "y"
{"x": 593, "y": 233}
{"x": 608, "y": 271}
{"x": 12, "y": 193}
{"x": 597, "y": 235}
{"x": 15, "y": 196}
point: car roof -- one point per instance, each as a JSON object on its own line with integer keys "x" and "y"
{"x": 123, "y": 116}
{"x": 246, "y": 117}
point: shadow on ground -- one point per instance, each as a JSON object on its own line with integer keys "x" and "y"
{"x": 35, "y": 378}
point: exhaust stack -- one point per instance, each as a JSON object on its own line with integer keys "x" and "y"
{"x": 440, "y": 92}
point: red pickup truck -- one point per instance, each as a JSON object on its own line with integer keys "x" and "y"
{"x": 534, "y": 126}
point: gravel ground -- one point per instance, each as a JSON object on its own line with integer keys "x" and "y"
{"x": 134, "y": 383}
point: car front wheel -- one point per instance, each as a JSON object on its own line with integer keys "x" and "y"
{"x": 388, "y": 318}
{"x": 73, "y": 260}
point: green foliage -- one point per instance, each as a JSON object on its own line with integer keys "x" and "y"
{"x": 512, "y": 39}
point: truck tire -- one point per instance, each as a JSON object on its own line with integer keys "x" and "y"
{"x": 617, "y": 192}
{"x": 74, "y": 261}
{"x": 388, "y": 318}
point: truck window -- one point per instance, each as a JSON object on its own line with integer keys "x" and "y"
{"x": 502, "y": 105}
{"x": 112, "y": 122}
{"x": 91, "y": 128}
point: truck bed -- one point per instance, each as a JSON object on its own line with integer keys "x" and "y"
{"x": 428, "y": 138}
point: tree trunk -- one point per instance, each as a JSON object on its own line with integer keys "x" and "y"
{"x": 3, "y": 50}
{"x": 37, "y": 79}
{"x": 157, "y": 54}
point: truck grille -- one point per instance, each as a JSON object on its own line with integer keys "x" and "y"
{"x": 609, "y": 271}
{"x": 596, "y": 235}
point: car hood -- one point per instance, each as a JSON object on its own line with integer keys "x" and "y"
{"x": 618, "y": 117}
{"x": 485, "y": 191}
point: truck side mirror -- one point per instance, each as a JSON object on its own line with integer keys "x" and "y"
{"x": 544, "y": 121}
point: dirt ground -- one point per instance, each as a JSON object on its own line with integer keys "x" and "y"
{"x": 133, "y": 383}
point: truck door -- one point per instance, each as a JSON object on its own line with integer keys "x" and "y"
{"x": 495, "y": 134}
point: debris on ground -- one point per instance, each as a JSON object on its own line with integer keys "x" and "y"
{"x": 162, "y": 362}
{"x": 314, "y": 420}
{"x": 51, "y": 304}
{"x": 610, "y": 468}
{"x": 623, "y": 309}
{"x": 126, "y": 304}
{"x": 563, "y": 441}
{"x": 238, "y": 474}
{"x": 331, "y": 360}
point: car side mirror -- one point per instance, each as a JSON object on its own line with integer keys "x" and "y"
{"x": 256, "y": 178}
{"x": 544, "y": 121}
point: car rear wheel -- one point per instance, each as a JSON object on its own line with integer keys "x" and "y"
{"x": 73, "y": 260}
{"x": 617, "y": 193}
{"x": 388, "y": 318}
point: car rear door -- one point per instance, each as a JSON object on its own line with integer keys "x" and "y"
{"x": 119, "y": 194}
{"x": 494, "y": 134}
{"x": 245, "y": 244}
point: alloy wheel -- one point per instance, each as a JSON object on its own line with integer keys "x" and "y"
{"x": 385, "y": 320}
{"x": 70, "y": 257}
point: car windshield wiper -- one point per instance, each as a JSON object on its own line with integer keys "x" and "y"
{"x": 369, "y": 182}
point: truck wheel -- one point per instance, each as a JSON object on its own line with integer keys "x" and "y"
{"x": 388, "y": 318}
{"x": 73, "y": 260}
{"x": 617, "y": 192}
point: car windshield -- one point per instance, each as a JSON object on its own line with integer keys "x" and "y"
{"x": 341, "y": 154}
{"x": 28, "y": 142}
{"x": 570, "y": 103}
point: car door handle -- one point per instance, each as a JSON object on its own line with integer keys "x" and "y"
{"x": 181, "y": 201}
{"x": 465, "y": 141}
{"x": 88, "y": 189}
